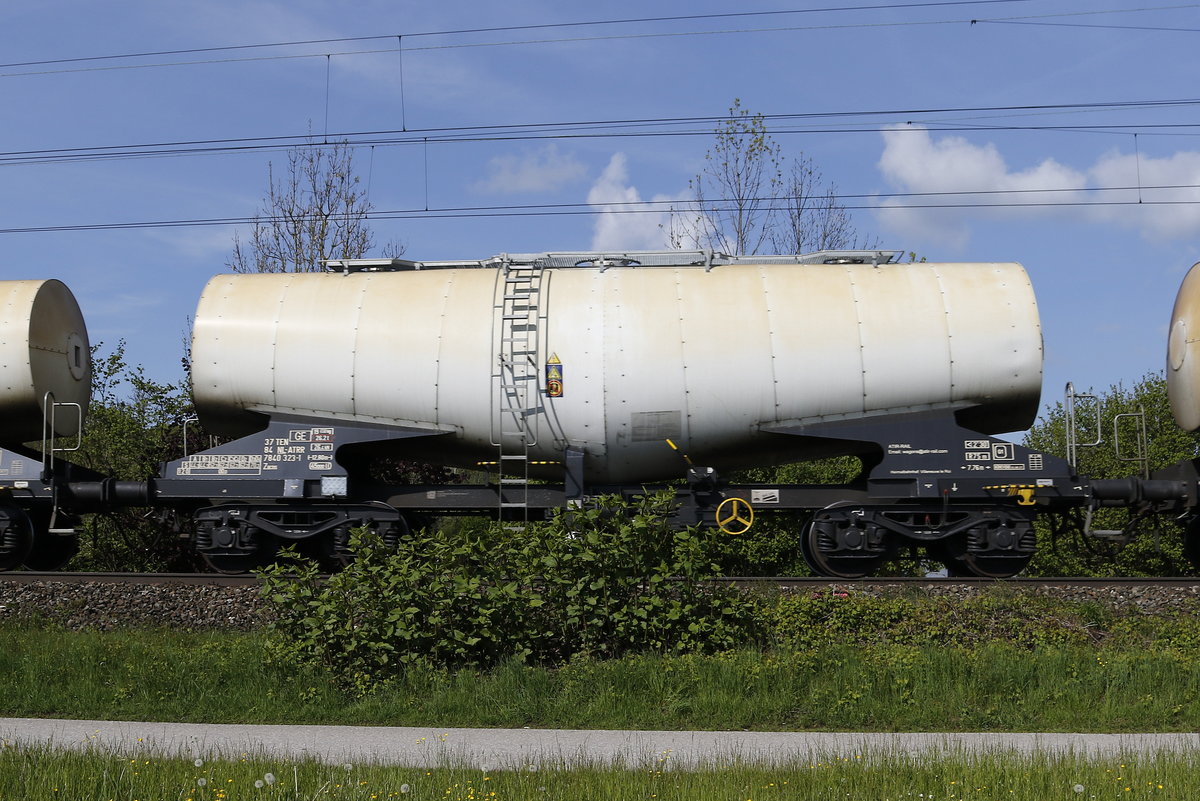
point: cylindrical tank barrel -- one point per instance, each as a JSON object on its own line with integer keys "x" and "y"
{"x": 44, "y": 358}
{"x": 1183, "y": 353}
{"x": 627, "y": 357}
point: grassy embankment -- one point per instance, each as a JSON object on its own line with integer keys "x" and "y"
{"x": 1000, "y": 662}
{"x": 39, "y": 773}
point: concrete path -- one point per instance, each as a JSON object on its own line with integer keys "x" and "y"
{"x": 509, "y": 748}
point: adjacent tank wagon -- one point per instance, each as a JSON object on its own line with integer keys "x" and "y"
{"x": 45, "y": 388}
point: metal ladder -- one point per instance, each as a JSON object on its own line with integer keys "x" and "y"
{"x": 49, "y": 433}
{"x": 515, "y": 387}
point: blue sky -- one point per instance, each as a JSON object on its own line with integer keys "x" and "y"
{"x": 1062, "y": 115}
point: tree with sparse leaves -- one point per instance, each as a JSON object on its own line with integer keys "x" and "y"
{"x": 316, "y": 211}
{"x": 749, "y": 196}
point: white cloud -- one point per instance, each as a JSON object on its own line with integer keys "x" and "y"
{"x": 913, "y": 161}
{"x": 545, "y": 170}
{"x": 625, "y": 224}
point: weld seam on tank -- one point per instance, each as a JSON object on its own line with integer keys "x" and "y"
{"x": 279, "y": 302}
{"x": 862, "y": 357}
{"x": 947, "y": 319}
{"x": 765, "y": 285}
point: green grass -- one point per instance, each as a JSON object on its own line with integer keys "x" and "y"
{"x": 228, "y": 678}
{"x": 42, "y": 773}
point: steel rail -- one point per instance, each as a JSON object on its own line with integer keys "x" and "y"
{"x": 740, "y": 581}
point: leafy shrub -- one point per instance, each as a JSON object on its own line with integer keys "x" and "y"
{"x": 598, "y": 582}
{"x": 1022, "y": 619}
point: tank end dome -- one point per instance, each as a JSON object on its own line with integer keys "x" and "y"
{"x": 1183, "y": 353}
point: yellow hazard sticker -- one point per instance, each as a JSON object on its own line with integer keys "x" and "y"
{"x": 554, "y": 376}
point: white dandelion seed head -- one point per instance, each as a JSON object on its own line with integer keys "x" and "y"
{"x": 258, "y": 783}
{"x": 269, "y": 778}
{"x": 201, "y": 782}
{"x": 348, "y": 767}
{"x": 199, "y": 763}
{"x": 1079, "y": 788}
{"x": 404, "y": 788}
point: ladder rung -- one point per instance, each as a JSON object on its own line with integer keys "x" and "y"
{"x": 513, "y": 505}
{"x": 513, "y": 481}
{"x": 513, "y": 457}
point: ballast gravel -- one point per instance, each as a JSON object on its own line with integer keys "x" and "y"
{"x": 106, "y": 605}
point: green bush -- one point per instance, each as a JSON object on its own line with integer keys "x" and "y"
{"x": 1022, "y": 619}
{"x": 598, "y": 582}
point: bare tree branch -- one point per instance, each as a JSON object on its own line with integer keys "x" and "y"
{"x": 316, "y": 212}
{"x": 749, "y": 196}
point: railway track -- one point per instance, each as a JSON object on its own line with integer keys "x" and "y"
{"x": 763, "y": 582}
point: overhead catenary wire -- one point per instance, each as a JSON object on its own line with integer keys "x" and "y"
{"x": 865, "y": 201}
{"x": 561, "y": 40}
{"x": 592, "y": 129}
{"x": 504, "y": 29}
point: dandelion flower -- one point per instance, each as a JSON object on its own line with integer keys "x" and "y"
{"x": 404, "y": 788}
{"x": 199, "y": 763}
{"x": 348, "y": 767}
{"x": 201, "y": 782}
{"x": 1079, "y": 788}
{"x": 269, "y": 778}
{"x": 258, "y": 783}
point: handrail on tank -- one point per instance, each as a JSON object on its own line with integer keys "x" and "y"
{"x": 1141, "y": 441}
{"x": 186, "y": 420}
{"x": 49, "y": 410}
{"x": 1072, "y": 429}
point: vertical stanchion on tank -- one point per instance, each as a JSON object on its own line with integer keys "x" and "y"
{"x": 515, "y": 385}
{"x": 1072, "y": 424}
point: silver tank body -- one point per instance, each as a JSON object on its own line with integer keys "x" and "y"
{"x": 43, "y": 349}
{"x": 1183, "y": 353}
{"x": 706, "y": 357}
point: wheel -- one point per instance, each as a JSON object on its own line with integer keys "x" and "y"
{"x": 834, "y": 546}
{"x": 50, "y": 551}
{"x": 16, "y": 537}
{"x": 1191, "y": 541}
{"x": 233, "y": 563}
{"x": 999, "y": 567}
{"x": 962, "y": 563}
{"x": 331, "y": 548}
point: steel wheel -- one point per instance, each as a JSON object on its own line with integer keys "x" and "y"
{"x": 234, "y": 563}
{"x": 824, "y": 558}
{"x": 16, "y": 537}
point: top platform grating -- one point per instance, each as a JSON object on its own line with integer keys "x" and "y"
{"x": 603, "y": 261}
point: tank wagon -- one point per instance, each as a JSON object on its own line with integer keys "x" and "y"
{"x": 45, "y": 386}
{"x": 557, "y": 377}
{"x": 568, "y": 375}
